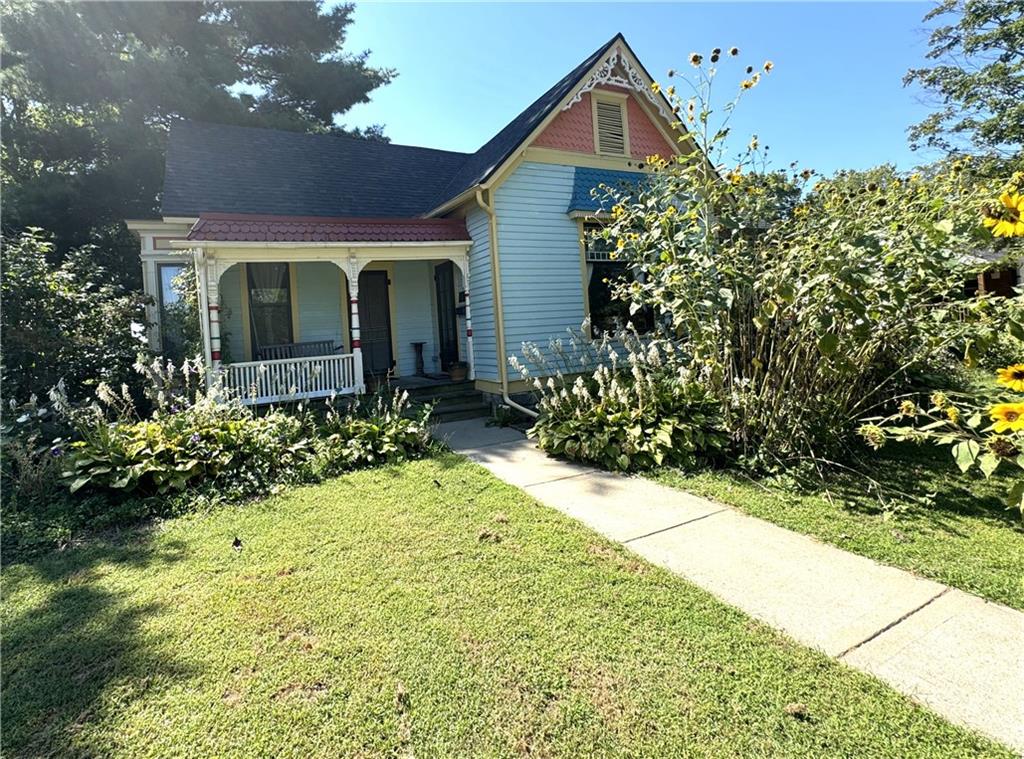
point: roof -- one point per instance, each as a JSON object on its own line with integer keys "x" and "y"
{"x": 256, "y": 228}
{"x": 230, "y": 169}
{"x": 586, "y": 180}
{"x": 479, "y": 166}
{"x": 213, "y": 168}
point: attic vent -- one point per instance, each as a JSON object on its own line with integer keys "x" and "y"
{"x": 611, "y": 128}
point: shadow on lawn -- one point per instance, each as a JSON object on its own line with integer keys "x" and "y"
{"x": 924, "y": 480}
{"x": 79, "y": 653}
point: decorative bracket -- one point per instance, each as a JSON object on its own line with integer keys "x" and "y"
{"x": 606, "y": 74}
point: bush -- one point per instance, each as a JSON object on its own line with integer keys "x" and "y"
{"x": 801, "y": 301}
{"x": 371, "y": 431}
{"x": 68, "y": 468}
{"x": 60, "y": 321}
{"x": 626, "y": 414}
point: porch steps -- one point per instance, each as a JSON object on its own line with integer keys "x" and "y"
{"x": 452, "y": 402}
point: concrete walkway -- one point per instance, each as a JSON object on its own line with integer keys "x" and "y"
{"x": 956, "y": 653}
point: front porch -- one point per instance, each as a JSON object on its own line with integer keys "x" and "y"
{"x": 301, "y": 320}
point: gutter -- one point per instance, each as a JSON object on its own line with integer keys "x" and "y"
{"x": 499, "y": 311}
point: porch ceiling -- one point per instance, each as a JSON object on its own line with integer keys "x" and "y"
{"x": 313, "y": 229}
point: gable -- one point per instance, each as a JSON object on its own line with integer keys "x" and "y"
{"x": 573, "y": 130}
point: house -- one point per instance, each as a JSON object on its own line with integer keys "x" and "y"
{"x": 326, "y": 261}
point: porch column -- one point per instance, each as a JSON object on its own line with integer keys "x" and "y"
{"x": 464, "y": 265}
{"x": 213, "y": 309}
{"x": 199, "y": 265}
{"x": 357, "y": 350}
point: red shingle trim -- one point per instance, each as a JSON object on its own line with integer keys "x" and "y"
{"x": 256, "y": 228}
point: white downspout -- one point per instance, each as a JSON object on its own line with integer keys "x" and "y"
{"x": 499, "y": 317}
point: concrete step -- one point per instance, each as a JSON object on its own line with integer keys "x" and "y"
{"x": 478, "y": 411}
{"x": 442, "y": 391}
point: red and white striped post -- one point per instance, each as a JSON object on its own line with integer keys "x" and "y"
{"x": 353, "y": 301}
{"x": 213, "y": 313}
{"x": 469, "y": 321}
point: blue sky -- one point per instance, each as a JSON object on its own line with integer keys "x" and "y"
{"x": 834, "y": 100}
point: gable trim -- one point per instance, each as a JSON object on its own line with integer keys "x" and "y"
{"x": 624, "y": 55}
{"x": 605, "y": 74}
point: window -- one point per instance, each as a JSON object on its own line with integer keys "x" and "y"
{"x": 606, "y": 311}
{"x": 270, "y": 304}
{"x": 172, "y": 311}
{"x": 610, "y": 135}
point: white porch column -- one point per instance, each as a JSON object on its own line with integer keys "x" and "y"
{"x": 353, "y": 270}
{"x": 199, "y": 264}
{"x": 464, "y": 265}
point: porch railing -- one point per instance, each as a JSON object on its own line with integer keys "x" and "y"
{"x": 290, "y": 379}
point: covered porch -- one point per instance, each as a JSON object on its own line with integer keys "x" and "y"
{"x": 292, "y": 319}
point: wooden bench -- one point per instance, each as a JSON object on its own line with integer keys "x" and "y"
{"x": 296, "y": 350}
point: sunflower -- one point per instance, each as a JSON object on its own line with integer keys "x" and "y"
{"x": 1012, "y": 377}
{"x": 1007, "y": 221}
{"x": 1007, "y": 417}
{"x": 695, "y": 59}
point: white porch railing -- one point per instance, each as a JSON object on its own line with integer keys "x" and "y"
{"x": 289, "y": 379}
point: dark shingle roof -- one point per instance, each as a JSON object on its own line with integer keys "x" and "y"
{"x": 494, "y": 152}
{"x": 230, "y": 169}
{"x": 213, "y": 168}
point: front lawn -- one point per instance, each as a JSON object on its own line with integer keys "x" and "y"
{"x": 425, "y": 609}
{"x": 965, "y": 537}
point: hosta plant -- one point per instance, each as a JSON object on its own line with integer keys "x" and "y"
{"x": 622, "y": 402}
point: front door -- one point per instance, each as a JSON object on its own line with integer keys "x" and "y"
{"x": 375, "y": 322}
{"x": 447, "y": 327}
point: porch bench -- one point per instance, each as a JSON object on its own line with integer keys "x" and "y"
{"x": 307, "y": 349}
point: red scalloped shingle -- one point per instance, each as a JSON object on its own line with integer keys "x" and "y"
{"x": 251, "y": 228}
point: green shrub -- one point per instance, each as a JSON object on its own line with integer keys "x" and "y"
{"x": 60, "y": 321}
{"x": 211, "y": 442}
{"x": 801, "y": 300}
{"x": 376, "y": 430}
{"x": 68, "y": 467}
{"x": 624, "y": 415}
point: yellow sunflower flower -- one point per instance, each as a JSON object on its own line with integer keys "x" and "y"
{"x": 1012, "y": 377}
{"x": 1007, "y": 417}
{"x": 1008, "y": 221}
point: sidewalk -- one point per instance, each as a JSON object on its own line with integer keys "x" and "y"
{"x": 954, "y": 652}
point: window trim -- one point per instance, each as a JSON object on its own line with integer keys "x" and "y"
{"x": 161, "y": 306}
{"x": 582, "y": 223}
{"x": 617, "y": 98}
{"x": 292, "y": 303}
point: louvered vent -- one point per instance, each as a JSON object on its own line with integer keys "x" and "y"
{"x": 611, "y": 136}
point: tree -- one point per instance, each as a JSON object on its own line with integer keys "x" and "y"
{"x": 978, "y": 77}
{"x": 63, "y": 321}
{"x": 90, "y": 89}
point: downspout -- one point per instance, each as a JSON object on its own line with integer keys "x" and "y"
{"x": 499, "y": 306}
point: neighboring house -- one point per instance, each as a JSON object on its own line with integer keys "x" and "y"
{"x": 324, "y": 261}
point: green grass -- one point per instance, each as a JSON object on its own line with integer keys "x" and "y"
{"x": 379, "y": 614}
{"x": 964, "y": 537}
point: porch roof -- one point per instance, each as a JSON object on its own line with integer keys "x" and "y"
{"x": 320, "y": 229}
